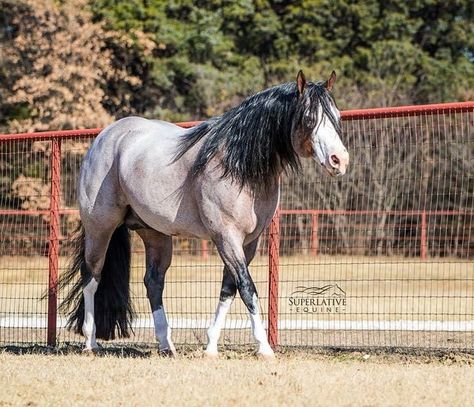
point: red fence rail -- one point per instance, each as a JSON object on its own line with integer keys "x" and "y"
{"x": 422, "y": 214}
{"x": 356, "y": 114}
{"x": 54, "y": 212}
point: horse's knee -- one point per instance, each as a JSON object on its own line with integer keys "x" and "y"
{"x": 228, "y": 287}
{"x": 248, "y": 293}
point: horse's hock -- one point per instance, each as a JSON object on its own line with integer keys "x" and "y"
{"x": 380, "y": 258}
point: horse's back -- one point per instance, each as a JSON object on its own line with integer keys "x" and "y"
{"x": 132, "y": 128}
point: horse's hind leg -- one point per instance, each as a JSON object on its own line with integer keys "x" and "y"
{"x": 232, "y": 253}
{"x": 227, "y": 295}
{"x": 95, "y": 251}
{"x": 159, "y": 250}
{"x": 99, "y": 232}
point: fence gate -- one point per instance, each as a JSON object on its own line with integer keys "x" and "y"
{"x": 383, "y": 257}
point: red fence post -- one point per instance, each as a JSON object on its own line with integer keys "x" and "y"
{"x": 424, "y": 246}
{"x": 53, "y": 252}
{"x": 314, "y": 233}
{"x": 273, "y": 270}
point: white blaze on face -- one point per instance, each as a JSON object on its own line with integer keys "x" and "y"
{"x": 328, "y": 148}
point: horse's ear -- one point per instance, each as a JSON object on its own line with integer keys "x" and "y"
{"x": 330, "y": 82}
{"x": 301, "y": 82}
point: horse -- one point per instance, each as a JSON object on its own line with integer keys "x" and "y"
{"x": 218, "y": 180}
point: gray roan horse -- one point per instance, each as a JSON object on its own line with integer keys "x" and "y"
{"x": 217, "y": 181}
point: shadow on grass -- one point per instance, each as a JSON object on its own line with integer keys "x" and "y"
{"x": 75, "y": 349}
{"x": 244, "y": 352}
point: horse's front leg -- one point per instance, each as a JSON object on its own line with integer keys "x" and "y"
{"x": 226, "y": 298}
{"x": 158, "y": 248}
{"x": 227, "y": 295}
{"x": 235, "y": 260}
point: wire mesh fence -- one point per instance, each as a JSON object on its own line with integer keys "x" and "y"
{"x": 381, "y": 257}
{"x": 385, "y": 256}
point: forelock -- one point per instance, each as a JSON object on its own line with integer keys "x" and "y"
{"x": 316, "y": 97}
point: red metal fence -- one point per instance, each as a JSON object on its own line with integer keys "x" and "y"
{"x": 381, "y": 257}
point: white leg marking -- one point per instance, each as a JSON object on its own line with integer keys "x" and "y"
{"x": 163, "y": 331}
{"x": 88, "y": 327}
{"x": 258, "y": 331}
{"x": 214, "y": 331}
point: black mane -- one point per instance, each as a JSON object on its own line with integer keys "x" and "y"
{"x": 255, "y": 138}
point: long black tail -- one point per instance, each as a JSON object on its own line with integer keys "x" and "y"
{"x": 113, "y": 312}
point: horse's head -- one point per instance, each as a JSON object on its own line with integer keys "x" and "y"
{"x": 316, "y": 128}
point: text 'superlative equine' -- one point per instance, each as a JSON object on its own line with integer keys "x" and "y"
{"x": 217, "y": 181}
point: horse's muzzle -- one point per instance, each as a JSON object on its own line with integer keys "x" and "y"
{"x": 338, "y": 163}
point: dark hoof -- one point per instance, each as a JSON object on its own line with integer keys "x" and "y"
{"x": 169, "y": 353}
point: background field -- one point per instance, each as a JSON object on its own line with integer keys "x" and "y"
{"x": 397, "y": 287}
{"x": 346, "y": 379}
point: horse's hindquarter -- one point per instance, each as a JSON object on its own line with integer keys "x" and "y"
{"x": 100, "y": 199}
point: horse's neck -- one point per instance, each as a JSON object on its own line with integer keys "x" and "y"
{"x": 269, "y": 198}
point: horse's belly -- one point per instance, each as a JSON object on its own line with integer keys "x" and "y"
{"x": 175, "y": 224}
{"x": 166, "y": 213}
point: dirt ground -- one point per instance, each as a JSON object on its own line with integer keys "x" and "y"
{"x": 237, "y": 378}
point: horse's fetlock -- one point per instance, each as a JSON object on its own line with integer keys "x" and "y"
{"x": 91, "y": 287}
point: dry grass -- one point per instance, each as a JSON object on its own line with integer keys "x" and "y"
{"x": 299, "y": 378}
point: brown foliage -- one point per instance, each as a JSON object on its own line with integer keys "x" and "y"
{"x": 32, "y": 192}
{"x": 62, "y": 77}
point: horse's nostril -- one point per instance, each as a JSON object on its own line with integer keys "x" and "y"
{"x": 335, "y": 159}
